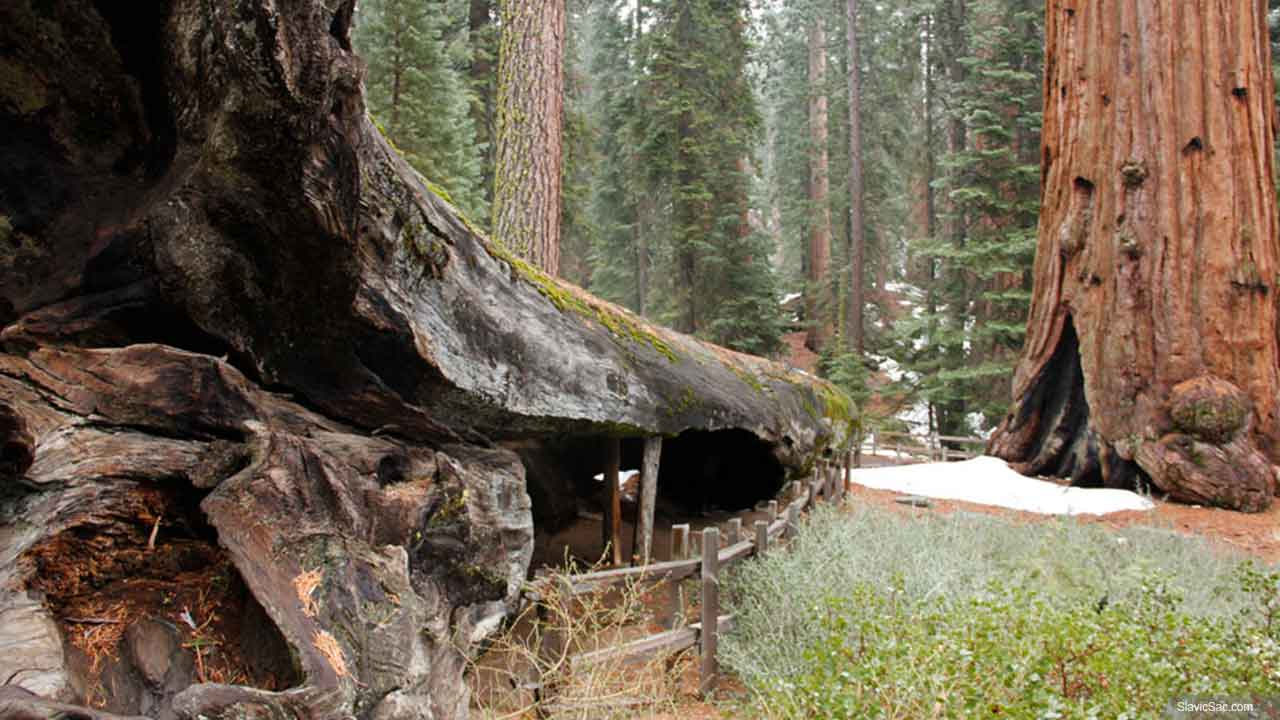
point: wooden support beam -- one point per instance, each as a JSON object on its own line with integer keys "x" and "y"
{"x": 773, "y": 511}
{"x": 642, "y": 545}
{"x": 611, "y": 528}
{"x": 710, "y": 607}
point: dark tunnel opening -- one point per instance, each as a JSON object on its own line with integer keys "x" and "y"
{"x": 704, "y": 477}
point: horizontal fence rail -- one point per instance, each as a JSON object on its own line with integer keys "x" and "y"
{"x": 924, "y": 448}
{"x": 702, "y": 555}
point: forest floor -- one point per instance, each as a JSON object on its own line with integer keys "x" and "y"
{"x": 1256, "y": 534}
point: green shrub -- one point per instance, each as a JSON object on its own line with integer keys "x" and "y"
{"x": 876, "y": 615}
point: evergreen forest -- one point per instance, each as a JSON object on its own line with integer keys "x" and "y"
{"x": 691, "y": 163}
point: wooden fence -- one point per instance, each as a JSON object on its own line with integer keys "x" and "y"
{"x": 928, "y": 448}
{"x": 712, "y": 550}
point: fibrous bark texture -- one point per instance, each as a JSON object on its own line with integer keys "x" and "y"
{"x": 526, "y": 197}
{"x": 258, "y": 383}
{"x": 819, "y": 305}
{"x": 1151, "y": 350}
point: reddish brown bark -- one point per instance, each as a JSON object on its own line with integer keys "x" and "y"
{"x": 1157, "y": 257}
{"x": 818, "y": 302}
{"x": 526, "y": 198}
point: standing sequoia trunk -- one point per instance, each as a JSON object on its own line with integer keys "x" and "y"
{"x": 1151, "y": 346}
{"x": 857, "y": 230}
{"x": 526, "y": 195}
{"x": 818, "y": 305}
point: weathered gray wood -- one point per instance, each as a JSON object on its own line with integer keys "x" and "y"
{"x": 652, "y": 573}
{"x": 710, "y": 607}
{"x": 851, "y": 461}
{"x": 773, "y": 511}
{"x": 695, "y": 542}
{"x": 612, "y": 525}
{"x": 778, "y": 529}
{"x": 680, "y": 541}
{"x": 735, "y": 552}
{"x": 637, "y": 651}
{"x": 793, "y": 520}
{"x": 733, "y": 530}
{"x": 642, "y": 545}
{"x": 679, "y": 549}
{"x": 762, "y": 537}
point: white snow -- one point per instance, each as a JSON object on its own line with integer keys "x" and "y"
{"x": 789, "y": 297}
{"x": 990, "y": 481}
{"x": 623, "y": 476}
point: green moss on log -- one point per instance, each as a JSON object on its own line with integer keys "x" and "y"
{"x": 565, "y": 300}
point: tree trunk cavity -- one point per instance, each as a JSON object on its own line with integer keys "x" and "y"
{"x": 526, "y": 197}
{"x": 1156, "y": 263}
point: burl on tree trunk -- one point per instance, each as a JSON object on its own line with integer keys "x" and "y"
{"x": 271, "y": 413}
{"x": 1151, "y": 350}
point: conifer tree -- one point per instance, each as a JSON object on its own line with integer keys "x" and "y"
{"x": 704, "y": 118}
{"x": 418, "y": 95}
{"x": 616, "y": 63}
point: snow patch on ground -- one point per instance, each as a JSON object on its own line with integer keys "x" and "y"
{"x": 623, "y": 476}
{"x": 990, "y": 481}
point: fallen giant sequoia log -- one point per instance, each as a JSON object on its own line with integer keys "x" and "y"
{"x": 271, "y": 414}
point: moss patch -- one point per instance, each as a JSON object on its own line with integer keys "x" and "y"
{"x": 1215, "y": 419}
{"x": 1209, "y": 409}
{"x": 566, "y": 300}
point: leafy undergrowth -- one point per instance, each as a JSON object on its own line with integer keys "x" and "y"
{"x": 872, "y": 614}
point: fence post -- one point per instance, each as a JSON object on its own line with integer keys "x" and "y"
{"x": 734, "y": 531}
{"x": 762, "y": 537}
{"x": 696, "y": 540}
{"x": 710, "y": 606}
{"x": 793, "y": 521}
{"x": 679, "y": 551}
{"x": 680, "y": 541}
{"x": 773, "y": 511}
{"x": 850, "y": 462}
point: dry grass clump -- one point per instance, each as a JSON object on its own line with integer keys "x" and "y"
{"x": 529, "y": 670}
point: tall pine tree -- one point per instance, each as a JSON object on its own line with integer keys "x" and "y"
{"x": 417, "y": 93}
